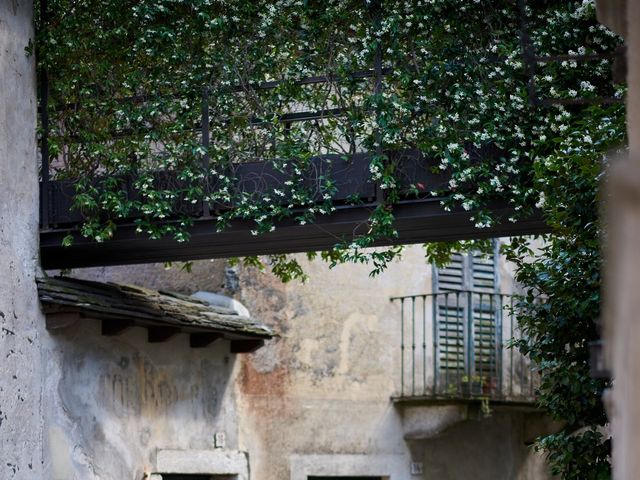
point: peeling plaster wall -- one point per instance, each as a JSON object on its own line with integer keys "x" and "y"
{"x": 317, "y": 401}
{"x": 114, "y": 402}
{"x": 21, "y": 440}
{"x": 116, "y": 405}
{"x": 314, "y": 402}
{"x": 483, "y": 449}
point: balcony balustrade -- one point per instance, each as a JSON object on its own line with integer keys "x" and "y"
{"x": 454, "y": 345}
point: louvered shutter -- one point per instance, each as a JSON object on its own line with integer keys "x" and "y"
{"x": 451, "y": 280}
{"x": 483, "y": 275}
{"x": 451, "y": 318}
{"x": 471, "y": 281}
{"x": 485, "y": 311}
{"x": 451, "y": 276}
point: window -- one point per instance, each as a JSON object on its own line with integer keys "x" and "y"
{"x": 344, "y": 478}
{"x": 467, "y": 316}
{"x": 180, "y": 476}
{"x": 474, "y": 271}
{"x": 186, "y": 477}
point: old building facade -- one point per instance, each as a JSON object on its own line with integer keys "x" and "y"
{"x": 323, "y": 399}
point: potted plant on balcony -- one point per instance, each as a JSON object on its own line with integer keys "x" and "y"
{"x": 471, "y": 385}
{"x": 490, "y": 386}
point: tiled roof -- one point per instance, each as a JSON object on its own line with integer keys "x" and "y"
{"x": 116, "y": 303}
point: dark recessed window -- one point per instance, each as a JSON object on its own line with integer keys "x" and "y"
{"x": 344, "y": 478}
{"x": 181, "y": 476}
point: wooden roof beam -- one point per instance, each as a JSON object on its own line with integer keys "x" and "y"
{"x": 203, "y": 339}
{"x": 246, "y": 346}
{"x": 112, "y": 327}
{"x": 161, "y": 334}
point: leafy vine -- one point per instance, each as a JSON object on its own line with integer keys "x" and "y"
{"x": 447, "y": 78}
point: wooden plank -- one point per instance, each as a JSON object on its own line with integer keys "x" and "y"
{"x": 245, "y": 346}
{"x": 418, "y": 221}
{"x": 202, "y": 340}
{"x": 114, "y": 327}
{"x": 161, "y": 334}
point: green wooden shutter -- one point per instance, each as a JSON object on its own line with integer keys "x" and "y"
{"x": 471, "y": 281}
{"x": 483, "y": 272}
{"x": 451, "y": 276}
{"x": 451, "y": 280}
{"x": 484, "y": 277}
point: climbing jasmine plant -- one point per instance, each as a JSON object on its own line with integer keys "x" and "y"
{"x": 128, "y": 81}
{"x": 131, "y": 81}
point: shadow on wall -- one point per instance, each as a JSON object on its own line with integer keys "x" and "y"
{"x": 487, "y": 448}
{"x": 114, "y": 401}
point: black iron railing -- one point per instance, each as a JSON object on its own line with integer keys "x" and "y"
{"x": 419, "y": 216}
{"x": 454, "y": 345}
{"x": 533, "y": 62}
{"x": 56, "y": 196}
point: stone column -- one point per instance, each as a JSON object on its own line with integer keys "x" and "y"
{"x": 632, "y": 37}
{"x": 21, "y": 433}
{"x": 622, "y": 269}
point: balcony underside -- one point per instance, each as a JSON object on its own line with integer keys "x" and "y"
{"x": 417, "y": 222}
{"x": 425, "y": 418}
{"x": 519, "y": 403}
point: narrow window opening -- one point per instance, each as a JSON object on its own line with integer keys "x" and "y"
{"x": 344, "y": 478}
{"x": 181, "y": 476}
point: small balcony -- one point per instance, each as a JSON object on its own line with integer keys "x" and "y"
{"x": 454, "y": 349}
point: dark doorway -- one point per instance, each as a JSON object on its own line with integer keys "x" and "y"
{"x": 184, "y": 476}
{"x": 344, "y": 478}
{"x": 178, "y": 476}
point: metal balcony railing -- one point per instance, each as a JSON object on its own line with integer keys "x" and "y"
{"x": 257, "y": 122}
{"x": 453, "y": 345}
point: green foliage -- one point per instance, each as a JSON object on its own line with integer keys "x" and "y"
{"x": 584, "y": 455}
{"x": 561, "y": 305}
{"x": 439, "y": 253}
{"x": 127, "y": 83}
{"x": 285, "y": 267}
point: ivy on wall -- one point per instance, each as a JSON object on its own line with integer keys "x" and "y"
{"x": 127, "y": 85}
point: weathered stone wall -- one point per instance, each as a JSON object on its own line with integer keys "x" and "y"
{"x": 116, "y": 407}
{"x": 317, "y": 401}
{"x": 21, "y": 439}
{"x": 206, "y": 275}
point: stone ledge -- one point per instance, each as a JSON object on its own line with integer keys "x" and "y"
{"x": 393, "y": 467}
{"x": 213, "y": 462}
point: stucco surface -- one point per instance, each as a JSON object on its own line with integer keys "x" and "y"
{"x": 21, "y": 439}
{"x": 483, "y": 449}
{"x": 317, "y": 401}
{"x": 116, "y": 401}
